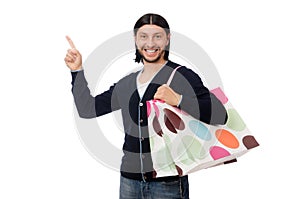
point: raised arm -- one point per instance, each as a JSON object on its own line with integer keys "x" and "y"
{"x": 87, "y": 105}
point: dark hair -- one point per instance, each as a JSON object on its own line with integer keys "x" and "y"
{"x": 153, "y": 19}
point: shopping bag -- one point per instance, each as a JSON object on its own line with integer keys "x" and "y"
{"x": 181, "y": 144}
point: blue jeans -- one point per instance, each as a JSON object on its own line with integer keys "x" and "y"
{"x": 134, "y": 189}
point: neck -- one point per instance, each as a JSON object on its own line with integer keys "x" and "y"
{"x": 153, "y": 67}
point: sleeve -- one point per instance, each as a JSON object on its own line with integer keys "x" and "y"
{"x": 87, "y": 105}
{"x": 198, "y": 101}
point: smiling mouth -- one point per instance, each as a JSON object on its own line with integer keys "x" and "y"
{"x": 151, "y": 50}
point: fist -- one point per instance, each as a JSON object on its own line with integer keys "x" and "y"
{"x": 165, "y": 93}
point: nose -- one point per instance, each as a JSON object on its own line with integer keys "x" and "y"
{"x": 150, "y": 43}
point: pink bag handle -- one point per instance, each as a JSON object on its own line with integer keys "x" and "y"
{"x": 172, "y": 75}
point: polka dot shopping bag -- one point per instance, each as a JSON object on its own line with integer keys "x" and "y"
{"x": 181, "y": 144}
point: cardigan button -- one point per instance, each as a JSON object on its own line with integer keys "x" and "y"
{"x": 141, "y": 104}
{"x": 141, "y": 120}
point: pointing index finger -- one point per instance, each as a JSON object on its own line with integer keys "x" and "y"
{"x": 70, "y": 42}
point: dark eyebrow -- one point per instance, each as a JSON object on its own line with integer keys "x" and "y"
{"x": 154, "y": 33}
{"x": 142, "y": 33}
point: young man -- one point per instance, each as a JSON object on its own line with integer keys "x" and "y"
{"x": 186, "y": 91}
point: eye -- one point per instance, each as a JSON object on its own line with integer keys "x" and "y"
{"x": 158, "y": 36}
{"x": 143, "y": 36}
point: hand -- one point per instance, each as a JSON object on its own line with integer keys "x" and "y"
{"x": 165, "y": 93}
{"x": 73, "y": 58}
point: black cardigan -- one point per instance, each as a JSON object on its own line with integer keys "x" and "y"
{"x": 196, "y": 100}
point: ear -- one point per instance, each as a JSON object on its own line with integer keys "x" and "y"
{"x": 168, "y": 38}
{"x": 135, "y": 39}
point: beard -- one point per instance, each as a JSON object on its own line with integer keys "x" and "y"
{"x": 154, "y": 60}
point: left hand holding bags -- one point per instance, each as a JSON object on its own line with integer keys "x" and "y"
{"x": 168, "y": 95}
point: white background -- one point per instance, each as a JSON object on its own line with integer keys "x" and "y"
{"x": 254, "y": 44}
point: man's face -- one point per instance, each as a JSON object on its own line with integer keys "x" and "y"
{"x": 151, "y": 41}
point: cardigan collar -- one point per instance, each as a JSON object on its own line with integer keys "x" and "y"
{"x": 159, "y": 79}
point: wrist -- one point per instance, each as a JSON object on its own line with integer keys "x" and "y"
{"x": 77, "y": 70}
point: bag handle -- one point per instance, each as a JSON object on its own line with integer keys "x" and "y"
{"x": 172, "y": 75}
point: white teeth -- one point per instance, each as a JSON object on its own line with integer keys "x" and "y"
{"x": 150, "y": 51}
